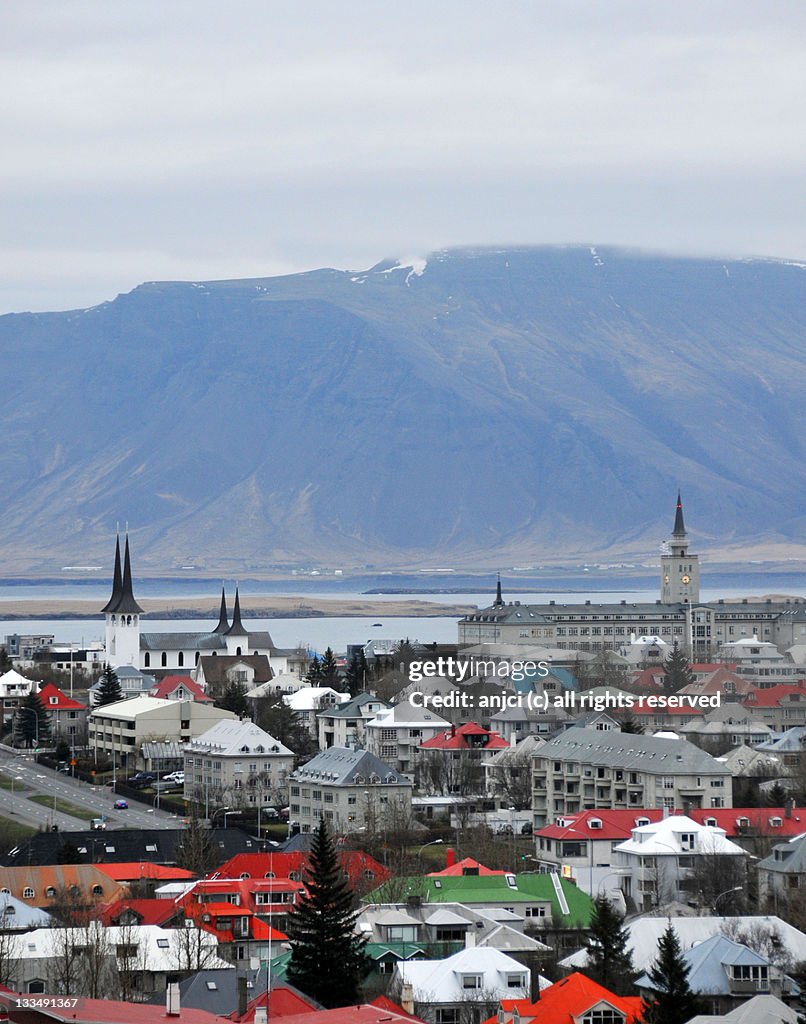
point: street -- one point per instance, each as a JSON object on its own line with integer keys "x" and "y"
{"x": 22, "y": 770}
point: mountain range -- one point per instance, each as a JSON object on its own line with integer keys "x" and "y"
{"x": 476, "y": 407}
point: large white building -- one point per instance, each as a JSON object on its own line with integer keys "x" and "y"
{"x": 678, "y": 616}
{"x": 238, "y": 764}
{"x": 120, "y": 729}
{"x": 128, "y": 644}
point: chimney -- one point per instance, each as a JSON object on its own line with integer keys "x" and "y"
{"x": 172, "y": 999}
{"x": 450, "y": 857}
{"x": 789, "y": 807}
{"x": 241, "y": 981}
{"x": 261, "y": 1015}
{"x": 470, "y": 939}
{"x": 407, "y": 997}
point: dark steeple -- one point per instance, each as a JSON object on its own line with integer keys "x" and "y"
{"x": 127, "y": 604}
{"x": 499, "y": 599}
{"x": 679, "y": 526}
{"x": 236, "y": 629}
{"x": 223, "y": 620}
{"x": 117, "y": 583}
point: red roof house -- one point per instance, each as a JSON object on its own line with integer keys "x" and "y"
{"x": 567, "y": 1001}
{"x": 179, "y": 688}
{"x": 466, "y": 737}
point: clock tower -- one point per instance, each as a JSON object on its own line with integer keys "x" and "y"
{"x": 679, "y": 571}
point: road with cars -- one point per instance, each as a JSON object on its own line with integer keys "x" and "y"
{"x": 25, "y": 778}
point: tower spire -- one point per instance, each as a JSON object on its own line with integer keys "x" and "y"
{"x": 499, "y": 598}
{"x": 223, "y": 619}
{"x": 127, "y": 604}
{"x": 117, "y": 583}
{"x": 679, "y": 526}
{"x": 237, "y": 628}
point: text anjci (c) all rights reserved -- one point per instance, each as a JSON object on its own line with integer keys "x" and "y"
{"x": 569, "y": 701}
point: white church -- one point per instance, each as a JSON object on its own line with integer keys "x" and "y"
{"x": 128, "y": 645}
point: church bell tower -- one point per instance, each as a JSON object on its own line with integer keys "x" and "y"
{"x": 679, "y": 570}
{"x": 122, "y": 615}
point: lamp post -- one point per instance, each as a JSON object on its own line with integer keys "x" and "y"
{"x": 226, "y": 813}
{"x": 219, "y": 810}
{"x": 434, "y": 842}
{"x": 36, "y": 724}
{"x": 727, "y": 892}
{"x": 14, "y": 778}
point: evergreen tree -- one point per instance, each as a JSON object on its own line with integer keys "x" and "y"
{"x": 328, "y": 961}
{"x": 776, "y": 797}
{"x": 313, "y": 677}
{"x": 276, "y": 718}
{"x": 678, "y": 673}
{"x": 5, "y": 661}
{"x": 110, "y": 690}
{"x": 328, "y": 670}
{"x": 357, "y": 674}
{"x": 609, "y": 959}
{"x": 671, "y": 1000}
{"x": 234, "y": 699}
{"x": 32, "y": 722}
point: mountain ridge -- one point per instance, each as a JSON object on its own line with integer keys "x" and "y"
{"x": 529, "y": 403}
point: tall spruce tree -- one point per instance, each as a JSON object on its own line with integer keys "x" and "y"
{"x": 356, "y": 674}
{"x": 110, "y": 690}
{"x": 671, "y": 1000}
{"x": 609, "y": 959}
{"x": 328, "y": 961}
{"x": 678, "y": 672}
{"x": 313, "y": 677}
{"x": 329, "y": 670}
{"x": 32, "y": 722}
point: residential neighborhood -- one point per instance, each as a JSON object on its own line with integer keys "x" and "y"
{"x": 488, "y": 828}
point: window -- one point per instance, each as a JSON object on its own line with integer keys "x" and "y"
{"x": 28, "y": 893}
{"x": 603, "y": 1015}
{"x": 516, "y": 981}
{"x": 470, "y": 981}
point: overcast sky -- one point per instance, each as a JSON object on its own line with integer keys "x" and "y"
{"x": 151, "y": 140}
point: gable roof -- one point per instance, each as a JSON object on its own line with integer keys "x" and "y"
{"x": 48, "y": 692}
{"x": 215, "y": 668}
{"x": 567, "y": 1000}
{"x": 458, "y": 738}
{"x": 170, "y": 684}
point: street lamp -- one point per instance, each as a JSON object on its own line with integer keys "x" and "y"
{"x": 434, "y": 842}
{"x": 226, "y": 813}
{"x": 219, "y": 810}
{"x": 14, "y": 778}
{"x": 727, "y": 892}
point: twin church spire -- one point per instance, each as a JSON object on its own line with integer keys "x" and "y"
{"x": 122, "y": 601}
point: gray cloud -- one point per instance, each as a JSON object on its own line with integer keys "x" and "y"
{"x": 207, "y": 140}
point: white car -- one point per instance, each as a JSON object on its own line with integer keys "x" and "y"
{"x": 178, "y": 777}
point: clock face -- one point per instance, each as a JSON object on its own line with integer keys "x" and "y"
{"x": 686, "y": 578}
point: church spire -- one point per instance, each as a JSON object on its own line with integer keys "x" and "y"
{"x": 679, "y": 526}
{"x": 499, "y": 598}
{"x": 223, "y": 620}
{"x": 127, "y": 604}
{"x": 237, "y": 628}
{"x": 117, "y": 583}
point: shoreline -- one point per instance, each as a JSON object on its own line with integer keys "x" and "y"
{"x": 269, "y": 606}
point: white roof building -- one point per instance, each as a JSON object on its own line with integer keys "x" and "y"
{"x": 658, "y": 861}
{"x": 644, "y": 933}
{"x": 470, "y": 976}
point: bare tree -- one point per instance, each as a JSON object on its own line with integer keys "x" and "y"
{"x": 511, "y": 777}
{"x": 10, "y": 949}
{"x": 191, "y": 949}
{"x": 132, "y": 963}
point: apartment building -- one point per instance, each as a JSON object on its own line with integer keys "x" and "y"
{"x": 582, "y": 769}
{"x": 344, "y": 725}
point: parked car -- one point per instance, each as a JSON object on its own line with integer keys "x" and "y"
{"x": 527, "y": 829}
{"x": 173, "y": 777}
{"x": 121, "y": 805}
